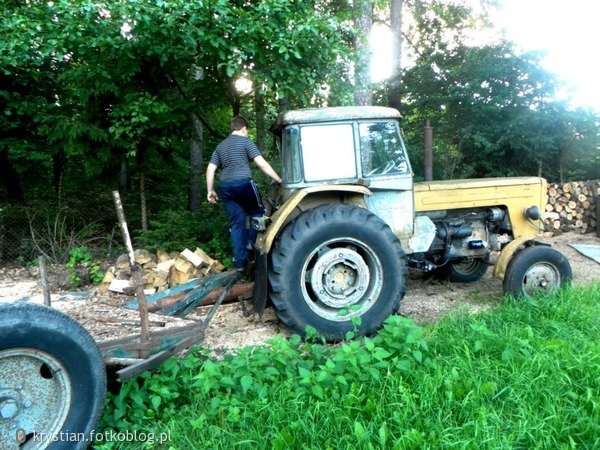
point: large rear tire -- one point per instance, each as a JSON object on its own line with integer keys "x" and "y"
{"x": 536, "y": 270}
{"x": 52, "y": 380}
{"x": 332, "y": 264}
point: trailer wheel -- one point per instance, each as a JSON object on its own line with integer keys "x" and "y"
{"x": 536, "y": 270}
{"x": 332, "y": 264}
{"x": 52, "y": 380}
{"x": 467, "y": 271}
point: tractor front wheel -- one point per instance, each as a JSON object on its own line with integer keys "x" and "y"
{"x": 536, "y": 270}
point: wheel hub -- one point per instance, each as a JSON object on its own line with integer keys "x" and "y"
{"x": 35, "y": 395}
{"x": 541, "y": 278}
{"x": 339, "y": 277}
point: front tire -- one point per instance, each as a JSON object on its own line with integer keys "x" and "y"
{"x": 335, "y": 263}
{"x": 536, "y": 270}
{"x": 52, "y": 380}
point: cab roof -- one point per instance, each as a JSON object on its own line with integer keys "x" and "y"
{"x": 333, "y": 114}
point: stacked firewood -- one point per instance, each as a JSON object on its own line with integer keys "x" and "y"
{"x": 160, "y": 271}
{"x": 573, "y": 206}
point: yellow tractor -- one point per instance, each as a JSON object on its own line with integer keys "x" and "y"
{"x": 348, "y": 221}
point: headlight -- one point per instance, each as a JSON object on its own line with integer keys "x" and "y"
{"x": 533, "y": 213}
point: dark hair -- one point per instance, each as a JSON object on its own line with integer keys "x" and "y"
{"x": 237, "y": 123}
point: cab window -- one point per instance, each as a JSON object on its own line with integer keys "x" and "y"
{"x": 382, "y": 151}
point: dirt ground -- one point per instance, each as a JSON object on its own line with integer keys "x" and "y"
{"x": 426, "y": 300}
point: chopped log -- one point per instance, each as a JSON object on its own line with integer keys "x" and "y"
{"x": 162, "y": 256}
{"x": 193, "y": 258}
{"x": 142, "y": 256}
{"x": 178, "y": 277}
{"x": 164, "y": 266}
{"x": 184, "y": 266}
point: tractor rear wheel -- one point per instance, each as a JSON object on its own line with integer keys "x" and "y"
{"x": 332, "y": 265}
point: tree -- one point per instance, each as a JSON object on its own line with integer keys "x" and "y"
{"x": 493, "y": 113}
{"x": 118, "y": 81}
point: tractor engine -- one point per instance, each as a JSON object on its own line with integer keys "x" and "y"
{"x": 461, "y": 234}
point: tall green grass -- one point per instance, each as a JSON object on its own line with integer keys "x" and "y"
{"x": 526, "y": 375}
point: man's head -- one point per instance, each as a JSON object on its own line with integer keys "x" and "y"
{"x": 238, "y": 124}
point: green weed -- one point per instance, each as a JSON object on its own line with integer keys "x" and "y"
{"x": 526, "y": 375}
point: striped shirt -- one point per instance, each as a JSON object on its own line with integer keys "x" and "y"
{"x": 233, "y": 156}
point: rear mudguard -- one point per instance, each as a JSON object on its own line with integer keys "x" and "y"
{"x": 261, "y": 287}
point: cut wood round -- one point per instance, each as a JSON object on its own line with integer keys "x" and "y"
{"x": 567, "y": 187}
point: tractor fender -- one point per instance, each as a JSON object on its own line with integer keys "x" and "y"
{"x": 265, "y": 240}
{"x": 510, "y": 250}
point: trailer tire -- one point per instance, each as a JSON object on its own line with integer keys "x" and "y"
{"x": 52, "y": 379}
{"x": 536, "y": 269}
{"x": 467, "y": 271}
{"x": 335, "y": 263}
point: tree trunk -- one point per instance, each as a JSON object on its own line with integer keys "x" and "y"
{"x": 196, "y": 142}
{"x": 283, "y": 104}
{"x": 395, "y": 82}
{"x": 363, "y": 95}
{"x": 143, "y": 203}
{"x": 58, "y": 168}
{"x": 261, "y": 124}
{"x": 123, "y": 176}
{"x": 10, "y": 178}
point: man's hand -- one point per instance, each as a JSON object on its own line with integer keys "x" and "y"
{"x": 212, "y": 196}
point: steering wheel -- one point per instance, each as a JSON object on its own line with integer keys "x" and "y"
{"x": 389, "y": 166}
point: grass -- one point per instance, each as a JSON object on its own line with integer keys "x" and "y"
{"x": 526, "y": 375}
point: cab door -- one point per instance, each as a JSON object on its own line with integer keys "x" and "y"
{"x": 384, "y": 165}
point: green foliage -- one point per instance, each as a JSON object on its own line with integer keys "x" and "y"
{"x": 81, "y": 257}
{"x": 493, "y": 114}
{"x": 525, "y": 375}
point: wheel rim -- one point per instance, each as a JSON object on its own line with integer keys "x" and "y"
{"x": 467, "y": 267}
{"x": 35, "y": 398}
{"x": 541, "y": 278}
{"x": 341, "y": 274}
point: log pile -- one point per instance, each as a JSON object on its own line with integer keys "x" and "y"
{"x": 573, "y": 206}
{"x": 160, "y": 271}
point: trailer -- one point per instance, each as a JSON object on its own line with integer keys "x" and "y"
{"x": 53, "y": 372}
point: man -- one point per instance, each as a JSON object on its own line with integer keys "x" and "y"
{"x": 239, "y": 193}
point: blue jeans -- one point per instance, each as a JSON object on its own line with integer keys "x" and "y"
{"x": 241, "y": 199}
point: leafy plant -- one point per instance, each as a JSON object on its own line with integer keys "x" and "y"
{"x": 525, "y": 375}
{"x": 81, "y": 257}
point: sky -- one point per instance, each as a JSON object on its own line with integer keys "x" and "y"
{"x": 568, "y": 32}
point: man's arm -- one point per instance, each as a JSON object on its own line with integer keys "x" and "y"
{"x": 266, "y": 168}
{"x": 210, "y": 181}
